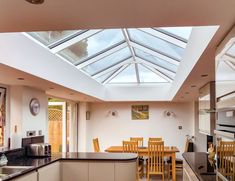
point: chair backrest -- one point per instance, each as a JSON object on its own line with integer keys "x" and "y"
{"x": 130, "y": 146}
{"x": 96, "y": 145}
{"x": 155, "y": 139}
{"x": 226, "y": 152}
{"x": 140, "y": 140}
{"x": 156, "y": 157}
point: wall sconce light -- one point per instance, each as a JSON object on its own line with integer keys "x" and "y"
{"x": 113, "y": 113}
{"x": 169, "y": 114}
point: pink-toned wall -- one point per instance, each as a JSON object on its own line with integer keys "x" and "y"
{"x": 111, "y": 130}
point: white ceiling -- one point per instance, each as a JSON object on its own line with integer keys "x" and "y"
{"x": 9, "y": 76}
{"x": 87, "y": 14}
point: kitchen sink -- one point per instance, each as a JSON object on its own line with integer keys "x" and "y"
{"x": 12, "y": 170}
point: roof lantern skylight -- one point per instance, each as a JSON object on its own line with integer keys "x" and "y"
{"x": 121, "y": 56}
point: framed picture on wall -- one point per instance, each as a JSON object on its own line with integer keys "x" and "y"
{"x": 139, "y": 112}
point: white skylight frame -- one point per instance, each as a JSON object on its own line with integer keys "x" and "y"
{"x": 79, "y": 35}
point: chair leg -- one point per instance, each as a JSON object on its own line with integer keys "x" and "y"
{"x": 148, "y": 177}
{"x": 168, "y": 171}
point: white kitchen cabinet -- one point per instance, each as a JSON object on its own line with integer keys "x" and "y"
{"x": 50, "y": 172}
{"x": 32, "y": 176}
{"x": 101, "y": 171}
{"x": 188, "y": 174}
{"x": 74, "y": 171}
{"x": 125, "y": 171}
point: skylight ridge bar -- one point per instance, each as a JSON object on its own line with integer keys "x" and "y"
{"x": 127, "y": 61}
{"x": 231, "y": 65}
{"x": 115, "y": 74}
{"x": 228, "y": 56}
{"x": 171, "y": 34}
{"x": 67, "y": 38}
{"x": 96, "y": 57}
{"x": 111, "y": 66}
{"x": 163, "y": 36}
{"x": 127, "y": 37}
{"x": 157, "y": 51}
{"x": 159, "y": 73}
{"x": 154, "y": 53}
{"x": 74, "y": 40}
{"x": 150, "y": 64}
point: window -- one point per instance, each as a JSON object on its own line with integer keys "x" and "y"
{"x": 121, "y": 56}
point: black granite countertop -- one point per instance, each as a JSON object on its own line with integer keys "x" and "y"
{"x": 203, "y": 168}
{"x": 36, "y": 163}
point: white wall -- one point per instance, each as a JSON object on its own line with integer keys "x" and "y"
{"x": 82, "y": 126}
{"x": 113, "y": 130}
{"x": 20, "y": 115}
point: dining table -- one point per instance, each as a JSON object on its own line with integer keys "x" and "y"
{"x": 169, "y": 151}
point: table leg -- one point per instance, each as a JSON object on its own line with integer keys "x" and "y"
{"x": 173, "y": 167}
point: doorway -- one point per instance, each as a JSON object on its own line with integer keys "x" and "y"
{"x": 62, "y": 125}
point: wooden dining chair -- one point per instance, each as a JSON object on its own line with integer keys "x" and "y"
{"x": 155, "y": 139}
{"x": 96, "y": 145}
{"x": 132, "y": 147}
{"x": 226, "y": 152}
{"x": 140, "y": 140}
{"x": 178, "y": 161}
{"x": 155, "y": 163}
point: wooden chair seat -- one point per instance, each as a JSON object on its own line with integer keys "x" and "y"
{"x": 177, "y": 161}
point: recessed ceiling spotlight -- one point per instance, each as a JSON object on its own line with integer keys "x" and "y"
{"x": 20, "y": 78}
{"x": 204, "y": 75}
{"x": 71, "y": 94}
{"x": 51, "y": 88}
{"x": 182, "y": 97}
{"x": 35, "y": 1}
{"x": 186, "y": 92}
{"x": 193, "y": 86}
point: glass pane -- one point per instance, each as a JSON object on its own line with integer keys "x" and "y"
{"x": 156, "y": 44}
{"x": 49, "y": 37}
{"x": 148, "y": 76}
{"x": 128, "y": 75}
{"x": 92, "y": 45}
{"x": 183, "y": 32}
{"x": 102, "y": 78}
{"x": 155, "y": 60}
{"x": 231, "y": 50}
{"x": 108, "y": 61}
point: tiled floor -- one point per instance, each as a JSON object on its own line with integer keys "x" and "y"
{"x": 179, "y": 177}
